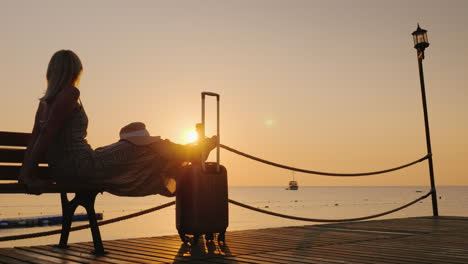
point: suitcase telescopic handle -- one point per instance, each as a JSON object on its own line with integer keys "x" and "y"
{"x": 203, "y": 95}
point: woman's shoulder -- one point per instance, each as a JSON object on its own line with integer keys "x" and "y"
{"x": 65, "y": 101}
{"x": 67, "y": 95}
{"x": 71, "y": 91}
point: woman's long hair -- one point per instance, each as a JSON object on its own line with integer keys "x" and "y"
{"x": 63, "y": 70}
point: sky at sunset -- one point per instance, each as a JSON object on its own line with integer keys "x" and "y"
{"x": 321, "y": 85}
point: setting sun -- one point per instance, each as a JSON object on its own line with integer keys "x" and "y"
{"x": 191, "y": 136}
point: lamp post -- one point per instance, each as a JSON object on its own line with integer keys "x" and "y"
{"x": 420, "y": 44}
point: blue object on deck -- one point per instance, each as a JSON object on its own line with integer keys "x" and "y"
{"x": 42, "y": 220}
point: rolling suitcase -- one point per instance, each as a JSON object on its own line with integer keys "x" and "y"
{"x": 202, "y": 195}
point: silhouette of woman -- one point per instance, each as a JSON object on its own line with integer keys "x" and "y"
{"x": 137, "y": 165}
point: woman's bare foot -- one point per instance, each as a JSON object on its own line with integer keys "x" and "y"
{"x": 208, "y": 144}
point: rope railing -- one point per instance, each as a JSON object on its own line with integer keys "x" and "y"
{"x": 319, "y": 172}
{"x": 153, "y": 209}
{"x": 330, "y": 220}
{"x": 76, "y": 228}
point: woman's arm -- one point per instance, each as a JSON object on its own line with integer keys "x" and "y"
{"x": 35, "y": 132}
{"x": 58, "y": 112}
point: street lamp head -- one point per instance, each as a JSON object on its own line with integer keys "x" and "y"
{"x": 420, "y": 39}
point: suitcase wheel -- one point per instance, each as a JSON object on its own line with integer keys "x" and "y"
{"x": 209, "y": 237}
{"x": 222, "y": 237}
{"x": 196, "y": 237}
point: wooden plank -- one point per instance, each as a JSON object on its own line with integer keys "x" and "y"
{"x": 355, "y": 252}
{"x": 166, "y": 244}
{"x": 80, "y": 254}
{"x": 169, "y": 253}
{"x": 16, "y": 156}
{"x": 355, "y": 256}
{"x": 127, "y": 258}
{"x": 311, "y": 258}
{"x": 140, "y": 256}
{"x": 14, "y": 138}
{"x": 417, "y": 257}
{"x": 225, "y": 261}
{"x": 259, "y": 259}
{"x": 143, "y": 250}
{"x": 244, "y": 259}
{"x": 53, "y": 188}
{"x": 61, "y": 255}
{"x": 288, "y": 258}
{"x": 425, "y": 246}
{"x": 12, "y": 188}
{"x": 331, "y": 256}
{"x": 8, "y": 260}
{"x": 12, "y": 155}
{"x": 46, "y": 257}
{"x": 9, "y": 172}
{"x": 161, "y": 246}
{"x": 198, "y": 251}
{"x": 24, "y": 257}
{"x": 214, "y": 260}
{"x": 445, "y": 218}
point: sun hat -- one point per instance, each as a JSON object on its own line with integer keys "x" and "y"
{"x": 137, "y": 134}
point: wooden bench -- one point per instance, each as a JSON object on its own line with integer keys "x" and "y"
{"x": 12, "y": 149}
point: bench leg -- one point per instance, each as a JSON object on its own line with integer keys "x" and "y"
{"x": 87, "y": 200}
{"x": 89, "y": 206}
{"x": 68, "y": 210}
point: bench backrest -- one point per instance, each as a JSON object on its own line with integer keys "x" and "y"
{"x": 12, "y": 149}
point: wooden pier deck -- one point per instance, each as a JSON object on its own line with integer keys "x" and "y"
{"x": 408, "y": 240}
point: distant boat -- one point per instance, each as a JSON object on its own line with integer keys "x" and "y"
{"x": 293, "y": 186}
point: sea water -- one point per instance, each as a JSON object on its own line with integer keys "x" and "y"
{"x": 312, "y": 202}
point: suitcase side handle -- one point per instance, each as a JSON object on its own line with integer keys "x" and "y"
{"x": 202, "y": 130}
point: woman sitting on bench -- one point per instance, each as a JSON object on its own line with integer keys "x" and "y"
{"x": 137, "y": 165}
